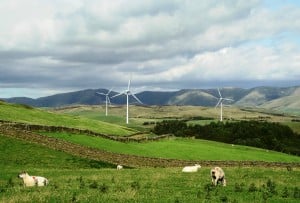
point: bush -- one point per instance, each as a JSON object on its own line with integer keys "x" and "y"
{"x": 103, "y": 188}
{"x": 94, "y": 185}
{"x": 272, "y": 136}
{"x": 252, "y": 188}
{"x": 296, "y": 193}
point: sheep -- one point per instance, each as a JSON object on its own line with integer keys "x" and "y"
{"x": 191, "y": 169}
{"x": 119, "y": 167}
{"x": 217, "y": 175}
{"x": 30, "y": 181}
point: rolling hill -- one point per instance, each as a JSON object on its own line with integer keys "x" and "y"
{"x": 283, "y": 99}
{"x": 162, "y": 152}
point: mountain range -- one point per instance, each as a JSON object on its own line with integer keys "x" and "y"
{"x": 284, "y": 99}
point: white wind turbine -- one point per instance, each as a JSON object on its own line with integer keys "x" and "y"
{"x": 127, "y": 93}
{"x": 220, "y": 103}
{"x": 107, "y": 100}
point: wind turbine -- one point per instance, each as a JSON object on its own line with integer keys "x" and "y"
{"x": 127, "y": 93}
{"x": 220, "y": 103}
{"x": 107, "y": 100}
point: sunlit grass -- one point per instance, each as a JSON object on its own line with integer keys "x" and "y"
{"x": 20, "y": 113}
{"x": 179, "y": 148}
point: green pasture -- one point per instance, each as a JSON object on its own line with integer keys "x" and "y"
{"x": 154, "y": 185}
{"x": 19, "y": 155}
{"x": 75, "y": 179}
{"x": 26, "y": 114}
{"x": 72, "y": 179}
{"x": 179, "y": 148}
{"x": 138, "y": 115}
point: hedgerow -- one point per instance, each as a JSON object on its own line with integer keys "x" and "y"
{"x": 267, "y": 135}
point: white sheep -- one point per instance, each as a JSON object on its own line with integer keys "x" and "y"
{"x": 119, "y": 167}
{"x": 217, "y": 175}
{"x": 30, "y": 181}
{"x": 191, "y": 169}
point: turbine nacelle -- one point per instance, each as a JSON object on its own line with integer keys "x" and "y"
{"x": 107, "y": 100}
{"x": 128, "y": 93}
{"x": 220, "y": 103}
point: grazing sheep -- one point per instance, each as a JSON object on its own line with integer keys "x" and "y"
{"x": 191, "y": 169}
{"x": 119, "y": 167}
{"x": 33, "y": 180}
{"x": 217, "y": 175}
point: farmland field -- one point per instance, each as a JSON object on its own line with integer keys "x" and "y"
{"x": 179, "y": 148}
{"x": 74, "y": 178}
{"x": 198, "y": 115}
{"x": 25, "y": 114}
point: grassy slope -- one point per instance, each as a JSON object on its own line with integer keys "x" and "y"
{"x": 73, "y": 179}
{"x": 20, "y": 113}
{"x": 180, "y": 148}
{"x": 140, "y": 114}
{"x": 22, "y": 155}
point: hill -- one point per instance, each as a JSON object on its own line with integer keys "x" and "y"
{"x": 59, "y": 138}
{"x": 281, "y": 99}
{"x": 27, "y": 114}
{"x": 289, "y": 103}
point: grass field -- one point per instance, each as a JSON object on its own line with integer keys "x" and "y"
{"x": 179, "y": 148}
{"x": 25, "y": 114}
{"x": 73, "y": 179}
{"x": 141, "y": 114}
{"x": 156, "y": 185}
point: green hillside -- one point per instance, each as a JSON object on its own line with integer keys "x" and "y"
{"x": 27, "y": 114}
{"x": 180, "y": 148}
{"x": 16, "y": 154}
{"x": 186, "y": 149}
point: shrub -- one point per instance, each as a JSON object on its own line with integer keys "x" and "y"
{"x": 271, "y": 187}
{"x": 94, "y": 185}
{"x": 224, "y": 199}
{"x": 238, "y": 187}
{"x": 103, "y": 188}
{"x": 296, "y": 193}
{"x": 135, "y": 185}
{"x": 285, "y": 192}
{"x": 10, "y": 183}
{"x": 252, "y": 188}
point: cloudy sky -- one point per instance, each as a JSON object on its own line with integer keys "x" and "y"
{"x": 53, "y": 46}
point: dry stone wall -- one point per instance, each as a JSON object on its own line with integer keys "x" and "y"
{"x": 25, "y": 132}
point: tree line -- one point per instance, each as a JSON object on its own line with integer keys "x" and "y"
{"x": 267, "y": 135}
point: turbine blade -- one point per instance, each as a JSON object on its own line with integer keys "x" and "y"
{"x": 118, "y": 94}
{"x": 136, "y": 98}
{"x": 227, "y": 99}
{"x": 100, "y": 93}
{"x": 109, "y": 91}
{"x": 220, "y": 100}
{"x": 219, "y": 93}
{"x": 129, "y": 81}
{"x": 108, "y": 100}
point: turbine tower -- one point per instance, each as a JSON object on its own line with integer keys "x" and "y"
{"x": 128, "y": 93}
{"x": 107, "y": 100}
{"x": 220, "y": 103}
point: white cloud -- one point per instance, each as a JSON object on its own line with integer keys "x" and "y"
{"x": 65, "y": 44}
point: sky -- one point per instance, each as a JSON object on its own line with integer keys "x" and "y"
{"x": 55, "y": 46}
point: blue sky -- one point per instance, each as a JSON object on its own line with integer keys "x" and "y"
{"x": 51, "y": 46}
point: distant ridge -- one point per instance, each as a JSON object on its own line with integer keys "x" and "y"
{"x": 286, "y": 99}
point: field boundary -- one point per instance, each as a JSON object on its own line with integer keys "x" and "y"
{"x": 124, "y": 159}
{"x": 45, "y": 128}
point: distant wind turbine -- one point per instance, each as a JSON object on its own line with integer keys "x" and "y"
{"x": 107, "y": 100}
{"x": 127, "y": 93}
{"x": 220, "y": 103}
